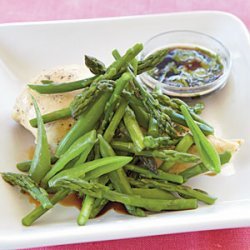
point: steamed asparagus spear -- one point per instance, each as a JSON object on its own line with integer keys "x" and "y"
{"x": 161, "y": 175}
{"x": 41, "y": 161}
{"x": 95, "y": 66}
{"x": 120, "y": 85}
{"x": 53, "y": 88}
{"x": 173, "y": 188}
{"x": 114, "y": 123}
{"x": 134, "y": 129}
{"x": 28, "y": 185}
{"x": 150, "y": 103}
{"x": 151, "y": 61}
{"x": 98, "y": 190}
{"x": 30, "y": 218}
{"x": 118, "y": 178}
{"x": 163, "y": 141}
{"x": 200, "y": 167}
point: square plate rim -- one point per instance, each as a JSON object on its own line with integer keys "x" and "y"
{"x": 129, "y": 17}
{"x": 75, "y": 238}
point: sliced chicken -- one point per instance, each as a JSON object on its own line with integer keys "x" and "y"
{"x": 24, "y": 110}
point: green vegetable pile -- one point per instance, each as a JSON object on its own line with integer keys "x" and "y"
{"x": 110, "y": 153}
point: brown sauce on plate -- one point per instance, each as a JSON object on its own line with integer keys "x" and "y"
{"x": 116, "y": 206}
{"x": 72, "y": 200}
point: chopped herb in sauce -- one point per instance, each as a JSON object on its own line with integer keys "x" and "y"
{"x": 188, "y": 67}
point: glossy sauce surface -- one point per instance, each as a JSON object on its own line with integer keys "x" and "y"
{"x": 118, "y": 207}
{"x": 188, "y": 67}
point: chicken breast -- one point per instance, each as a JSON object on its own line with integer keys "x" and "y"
{"x": 24, "y": 110}
{"x": 221, "y": 146}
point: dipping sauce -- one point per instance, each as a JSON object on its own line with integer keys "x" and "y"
{"x": 188, "y": 67}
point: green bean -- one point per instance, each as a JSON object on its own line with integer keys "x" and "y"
{"x": 95, "y": 173}
{"x": 54, "y": 88}
{"x": 84, "y": 155}
{"x": 61, "y": 194}
{"x": 80, "y": 170}
{"x": 74, "y": 150}
{"x": 24, "y": 166}
{"x": 41, "y": 161}
{"x": 200, "y": 168}
{"x": 207, "y": 152}
{"x": 84, "y": 124}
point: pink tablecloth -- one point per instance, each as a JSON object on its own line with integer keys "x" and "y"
{"x": 38, "y": 10}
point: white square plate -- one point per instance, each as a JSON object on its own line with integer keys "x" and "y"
{"x": 26, "y": 49}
